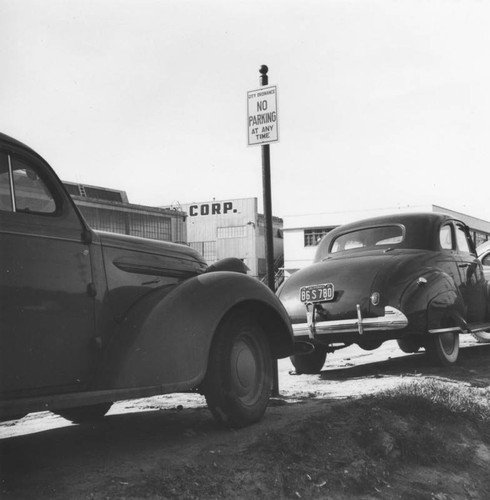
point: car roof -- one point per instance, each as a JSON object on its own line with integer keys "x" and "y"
{"x": 398, "y": 218}
{"x": 18, "y": 144}
{"x": 7, "y": 138}
{"x": 421, "y": 230}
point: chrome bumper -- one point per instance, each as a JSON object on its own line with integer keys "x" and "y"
{"x": 393, "y": 319}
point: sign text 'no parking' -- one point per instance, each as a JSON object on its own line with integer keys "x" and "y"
{"x": 262, "y": 116}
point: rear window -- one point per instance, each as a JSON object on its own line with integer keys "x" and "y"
{"x": 370, "y": 237}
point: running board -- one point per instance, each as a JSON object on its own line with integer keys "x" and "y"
{"x": 479, "y": 327}
{"x": 472, "y": 328}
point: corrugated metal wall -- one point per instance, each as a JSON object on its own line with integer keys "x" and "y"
{"x": 135, "y": 220}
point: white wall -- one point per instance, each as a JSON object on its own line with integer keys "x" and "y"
{"x": 296, "y": 255}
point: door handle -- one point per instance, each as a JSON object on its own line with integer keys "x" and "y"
{"x": 464, "y": 265}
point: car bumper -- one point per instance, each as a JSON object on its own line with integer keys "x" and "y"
{"x": 393, "y": 319}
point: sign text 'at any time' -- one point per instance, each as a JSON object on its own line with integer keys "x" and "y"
{"x": 262, "y": 116}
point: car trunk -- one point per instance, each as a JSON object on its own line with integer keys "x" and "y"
{"x": 355, "y": 277}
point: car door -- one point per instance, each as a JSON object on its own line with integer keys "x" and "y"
{"x": 46, "y": 310}
{"x": 473, "y": 284}
{"x": 448, "y": 259}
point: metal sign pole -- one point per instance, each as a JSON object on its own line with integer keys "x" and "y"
{"x": 269, "y": 240}
{"x": 266, "y": 186}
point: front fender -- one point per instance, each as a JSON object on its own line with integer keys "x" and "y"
{"x": 425, "y": 300}
{"x": 165, "y": 339}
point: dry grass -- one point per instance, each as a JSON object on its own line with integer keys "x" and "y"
{"x": 431, "y": 395}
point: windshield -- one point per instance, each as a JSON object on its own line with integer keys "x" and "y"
{"x": 368, "y": 237}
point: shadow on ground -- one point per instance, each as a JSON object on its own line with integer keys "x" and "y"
{"x": 473, "y": 366}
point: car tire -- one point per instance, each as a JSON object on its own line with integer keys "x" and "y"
{"x": 309, "y": 364}
{"x": 238, "y": 382}
{"x": 369, "y": 345}
{"x": 83, "y": 414}
{"x": 409, "y": 344}
{"x": 444, "y": 348}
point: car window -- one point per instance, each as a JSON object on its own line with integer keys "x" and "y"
{"x": 461, "y": 238}
{"x": 486, "y": 260}
{"x": 368, "y": 237}
{"x": 31, "y": 193}
{"x": 446, "y": 237}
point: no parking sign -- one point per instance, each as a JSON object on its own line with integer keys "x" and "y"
{"x": 262, "y": 116}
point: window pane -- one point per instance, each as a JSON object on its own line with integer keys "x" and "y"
{"x": 480, "y": 238}
{"x": 369, "y": 237}
{"x": 31, "y": 193}
{"x": 462, "y": 240}
{"x": 232, "y": 232}
{"x": 312, "y": 237}
{"x": 5, "y": 197}
{"x": 206, "y": 248}
{"x": 445, "y": 238}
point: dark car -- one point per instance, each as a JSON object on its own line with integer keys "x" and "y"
{"x": 411, "y": 277}
{"x": 88, "y": 317}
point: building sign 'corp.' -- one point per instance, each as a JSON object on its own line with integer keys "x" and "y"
{"x": 219, "y": 208}
{"x": 262, "y": 116}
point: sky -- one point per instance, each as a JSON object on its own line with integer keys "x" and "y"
{"x": 381, "y": 103}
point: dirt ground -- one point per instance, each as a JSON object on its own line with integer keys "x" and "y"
{"x": 317, "y": 440}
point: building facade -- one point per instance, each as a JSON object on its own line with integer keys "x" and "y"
{"x": 302, "y": 233}
{"x": 109, "y": 210}
{"x": 232, "y": 228}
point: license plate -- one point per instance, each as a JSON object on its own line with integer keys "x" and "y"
{"x": 316, "y": 293}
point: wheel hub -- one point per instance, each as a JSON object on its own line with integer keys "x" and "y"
{"x": 245, "y": 370}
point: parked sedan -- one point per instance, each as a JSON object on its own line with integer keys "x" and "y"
{"x": 411, "y": 277}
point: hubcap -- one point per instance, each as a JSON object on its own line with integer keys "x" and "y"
{"x": 246, "y": 371}
{"x": 447, "y": 342}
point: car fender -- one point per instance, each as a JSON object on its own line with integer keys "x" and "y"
{"x": 165, "y": 338}
{"x": 428, "y": 297}
{"x": 448, "y": 305}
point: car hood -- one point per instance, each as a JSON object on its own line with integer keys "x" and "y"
{"x": 355, "y": 276}
{"x": 151, "y": 257}
{"x": 134, "y": 267}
